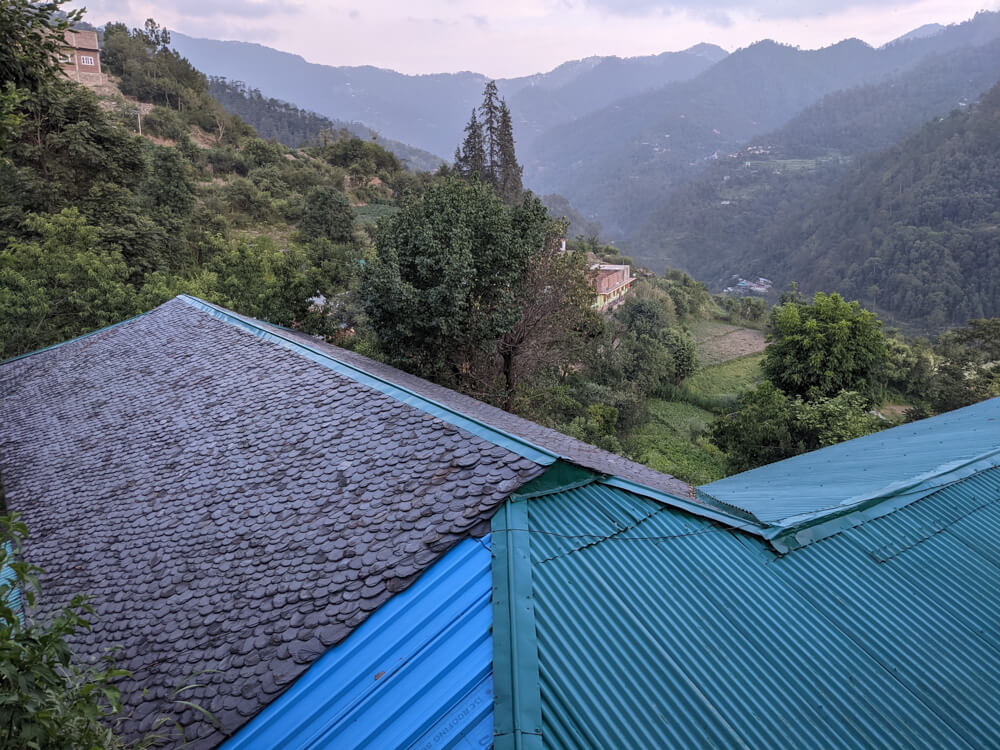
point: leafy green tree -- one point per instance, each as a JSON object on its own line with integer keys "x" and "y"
{"x": 326, "y": 215}
{"x": 826, "y": 347}
{"x": 256, "y": 278}
{"x": 683, "y": 352}
{"x": 598, "y": 427}
{"x": 48, "y": 699}
{"x": 444, "y": 286}
{"x": 770, "y": 426}
{"x": 56, "y": 285}
{"x": 32, "y": 34}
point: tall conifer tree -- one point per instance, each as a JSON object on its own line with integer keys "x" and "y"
{"x": 489, "y": 116}
{"x": 470, "y": 158}
{"x": 509, "y": 184}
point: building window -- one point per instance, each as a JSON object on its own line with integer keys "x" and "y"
{"x": 66, "y": 58}
{"x": 86, "y": 60}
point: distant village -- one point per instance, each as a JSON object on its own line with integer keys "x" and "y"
{"x": 744, "y": 287}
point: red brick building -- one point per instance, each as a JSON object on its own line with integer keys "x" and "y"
{"x": 80, "y": 54}
{"x": 611, "y": 284}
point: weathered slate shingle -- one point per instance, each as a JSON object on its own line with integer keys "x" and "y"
{"x": 233, "y": 508}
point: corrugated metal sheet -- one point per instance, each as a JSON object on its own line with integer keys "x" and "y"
{"x": 417, "y": 674}
{"x": 655, "y": 628}
{"x": 904, "y": 462}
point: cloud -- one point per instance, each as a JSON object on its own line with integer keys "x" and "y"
{"x": 240, "y": 9}
{"x": 717, "y": 11}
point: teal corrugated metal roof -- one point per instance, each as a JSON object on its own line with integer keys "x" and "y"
{"x": 416, "y": 674}
{"x": 817, "y": 494}
{"x": 892, "y": 461}
{"x": 656, "y": 628}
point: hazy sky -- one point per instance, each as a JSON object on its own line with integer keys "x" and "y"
{"x": 503, "y": 38}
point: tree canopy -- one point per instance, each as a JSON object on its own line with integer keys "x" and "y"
{"x": 820, "y": 349}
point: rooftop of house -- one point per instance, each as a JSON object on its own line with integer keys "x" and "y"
{"x": 630, "y": 623}
{"x": 81, "y": 39}
{"x": 238, "y": 498}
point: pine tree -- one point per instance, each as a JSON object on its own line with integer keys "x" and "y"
{"x": 489, "y": 113}
{"x": 470, "y": 158}
{"x": 509, "y": 185}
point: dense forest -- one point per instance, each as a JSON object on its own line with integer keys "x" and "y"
{"x": 736, "y": 218}
{"x": 618, "y": 164}
{"x": 915, "y": 231}
{"x": 294, "y": 127}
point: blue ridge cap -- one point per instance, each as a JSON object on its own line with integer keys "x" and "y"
{"x": 506, "y": 440}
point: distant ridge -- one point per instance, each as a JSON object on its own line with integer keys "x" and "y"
{"x": 922, "y": 32}
{"x": 430, "y": 111}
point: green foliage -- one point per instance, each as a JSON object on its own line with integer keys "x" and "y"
{"x": 598, "y": 427}
{"x": 771, "y": 426}
{"x": 672, "y": 441}
{"x": 48, "y": 699}
{"x": 326, "y": 215}
{"x": 32, "y": 34}
{"x": 445, "y": 281}
{"x": 57, "y": 286}
{"x": 826, "y": 347}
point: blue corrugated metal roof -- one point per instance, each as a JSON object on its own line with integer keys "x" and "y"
{"x": 656, "y": 628}
{"x": 10, "y": 592}
{"x": 416, "y": 674}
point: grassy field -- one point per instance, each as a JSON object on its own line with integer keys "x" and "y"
{"x": 726, "y": 380}
{"x": 372, "y": 212}
{"x": 720, "y": 342}
{"x": 674, "y": 440}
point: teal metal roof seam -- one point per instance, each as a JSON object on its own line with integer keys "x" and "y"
{"x": 517, "y": 690}
{"x": 785, "y": 538}
{"x": 74, "y": 339}
{"x": 714, "y": 514}
{"x": 516, "y": 444}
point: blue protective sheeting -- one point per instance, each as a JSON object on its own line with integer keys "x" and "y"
{"x": 417, "y": 674}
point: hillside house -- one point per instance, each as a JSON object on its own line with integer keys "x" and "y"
{"x": 339, "y": 554}
{"x": 80, "y": 55}
{"x": 611, "y": 283}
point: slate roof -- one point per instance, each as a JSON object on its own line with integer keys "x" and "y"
{"x": 570, "y": 449}
{"x": 233, "y": 507}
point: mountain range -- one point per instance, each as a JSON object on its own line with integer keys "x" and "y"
{"x": 695, "y": 159}
{"x": 429, "y": 111}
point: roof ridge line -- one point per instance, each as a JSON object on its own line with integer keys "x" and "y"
{"x": 833, "y": 520}
{"x": 75, "y": 338}
{"x": 516, "y": 444}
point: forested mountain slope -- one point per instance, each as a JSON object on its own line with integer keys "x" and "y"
{"x": 272, "y": 118}
{"x": 427, "y": 110}
{"x": 618, "y": 164}
{"x": 915, "y": 231}
{"x": 712, "y": 226}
